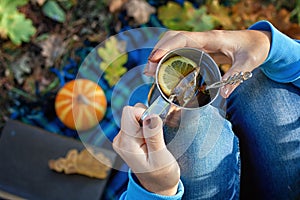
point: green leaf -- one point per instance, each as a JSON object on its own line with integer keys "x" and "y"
{"x": 13, "y": 24}
{"x": 200, "y": 20}
{"x": 113, "y": 60}
{"x": 9, "y": 6}
{"x": 17, "y": 27}
{"x": 52, "y": 10}
{"x": 174, "y": 16}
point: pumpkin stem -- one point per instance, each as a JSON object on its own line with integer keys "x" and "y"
{"x": 82, "y": 99}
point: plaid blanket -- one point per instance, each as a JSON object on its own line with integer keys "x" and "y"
{"x": 133, "y": 87}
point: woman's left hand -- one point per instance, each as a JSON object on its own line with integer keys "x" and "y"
{"x": 245, "y": 50}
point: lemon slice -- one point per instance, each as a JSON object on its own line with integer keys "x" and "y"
{"x": 172, "y": 71}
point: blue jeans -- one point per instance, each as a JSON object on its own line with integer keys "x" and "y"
{"x": 265, "y": 116}
{"x": 208, "y": 155}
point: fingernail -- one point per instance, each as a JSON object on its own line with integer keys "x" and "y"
{"x": 147, "y": 121}
{"x": 152, "y": 122}
{"x": 224, "y": 91}
{"x": 151, "y": 54}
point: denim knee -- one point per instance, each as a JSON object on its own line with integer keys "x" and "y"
{"x": 265, "y": 116}
{"x": 208, "y": 156}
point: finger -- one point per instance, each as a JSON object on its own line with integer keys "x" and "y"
{"x": 216, "y": 41}
{"x": 238, "y": 67}
{"x": 130, "y": 137}
{"x": 129, "y": 121}
{"x": 160, "y": 49}
{"x": 226, "y": 90}
{"x": 176, "y": 39}
{"x": 140, "y": 105}
{"x": 170, "y": 41}
{"x": 153, "y": 133}
{"x": 166, "y": 36}
{"x": 150, "y": 69}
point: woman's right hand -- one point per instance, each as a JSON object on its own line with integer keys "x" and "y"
{"x": 245, "y": 50}
{"x": 144, "y": 150}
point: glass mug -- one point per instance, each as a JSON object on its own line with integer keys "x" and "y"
{"x": 208, "y": 73}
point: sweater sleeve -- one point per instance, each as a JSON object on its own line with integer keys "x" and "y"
{"x": 136, "y": 192}
{"x": 283, "y": 62}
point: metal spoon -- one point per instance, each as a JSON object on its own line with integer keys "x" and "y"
{"x": 231, "y": 80}
{"x": 186, "y": 89}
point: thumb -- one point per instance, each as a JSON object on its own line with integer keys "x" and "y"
{"x": 226, "y": 90}
{"x": 234, "y": 71}
{"x": 153, "y": 133}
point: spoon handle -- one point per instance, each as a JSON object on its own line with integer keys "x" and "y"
{"x": 231, "y": 80}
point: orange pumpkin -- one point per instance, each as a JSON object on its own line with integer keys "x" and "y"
{"x": 80, "y": 104}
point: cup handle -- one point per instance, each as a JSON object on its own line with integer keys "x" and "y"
{"x": 159, "y": 107}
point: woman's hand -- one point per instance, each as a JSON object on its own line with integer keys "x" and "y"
{"x": 144, "y": 150}
{"x": 245, "y": 50}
